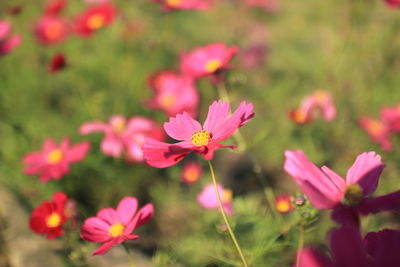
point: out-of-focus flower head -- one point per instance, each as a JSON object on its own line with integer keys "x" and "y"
{"x": 393, "y": 3}
{"x": 169, "y": 5}
{"x": 50, "y": 29}
{"x": 318, "y": 103}
{"x": 208, "y": 198}
{"x": 204, "y": 140}
{"x": 206, "y": 60}
{"x": 49, "y": 217}
{"x": 96, "y": 1}
{"x": 114, "y": 226}
{"x": 55, "y": 7}
{"x": 378, "y": 132}
{"x": 54, "y": 160}
{"x": 390, "y": 116}
{"x": 57, "y": 63}
{"x": 267, "y": 5}
{"x": 7, "y": 41}
{"x": 95, "y": 18}
{"x": 253, "y": 56}
{"x": 124, "y": 136}
{"x": 191, "y": 172}
{"x": 283, "y": 203}
{"x": 174, "y": 93}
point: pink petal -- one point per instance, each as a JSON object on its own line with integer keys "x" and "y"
{"x": 182, "y": 126}
{"x": 335, "y": 178}
{"x": 143, "y": 216}
{"x": 126, "y": 210}
{"x": 49, "y": 145}
{"x": 8, "y": 45}
{"x": 93, "y": 127}
{"x": 104, "y": 248}
{"x": 366, "y": 171}
{"x": 95, "y": 230}
{"x": 217, "y": 114}
{"x": 208, "y": 154}
{"x": 77, "y": 152}
{"x": 34, "y": 158}
{"x": 112, "y": 145}
{"x": 5, "y": 28}
{"x": 383, "y": 247}
{"x": 108, "y": 215}
{"x": 310, "y": 257}
{"x": 388, "y": 202}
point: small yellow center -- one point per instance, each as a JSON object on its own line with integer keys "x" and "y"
{"x": 200, "y": 138}
{"x": 227, "y": 196}
{"x": 299, "y": 116}
{"x": 119, "y": 125}
{"x": 55, "y": 156}
{"x": 96, "y": 21}
{"x": 375, "y": 127}
{"x": 168, "y": 100}
{"x": 53, "y": 220}
{"x": 321, "y": 96}
{"x": 53, "y": 31}
{"x": 353, "y": 194}
{"x": 213, "y": 65}
{"x": 192, "y": 175}
{"x": 282, "y": 206}
{"x": 116, "y": 229}
{"x": 174, "y": 2}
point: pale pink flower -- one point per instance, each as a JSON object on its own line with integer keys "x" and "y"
{"x": 124, "y": 136}
{"x": 378, "y": 131}
{"x": 114, "y": 226}
{"x": 195, "y": 138}
{"x": 325, "y": 188}
{"x": 174, "y": 94}
{"x": 390, "y": 116}
{"x": 208, "y": 198}
{"x": 54, "y": 160}
{"x": 169, "y": 5}
{"x": 191, "y": 172}
{"x": 7, "y": 41}
{"x": 206, "y": 60}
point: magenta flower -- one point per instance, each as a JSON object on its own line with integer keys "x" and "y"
{"x": 390, "y": 117}
{"x": 114, "y": 226}
{"x": 51, "y": 29}
{"x": 378, "y": 131}
{"x": 218, "y": 126}
{"x": 206, "y": 60}
{"x": 169, "y": 5}
{"x": 174, "y": 94}
{"x": 53, "y": 161}
{"x": 267, "y": 5}
{"x": 122, "y": 136}
{"x": 7, "y": 41}
{"x": 208, "y": 198}
{"x": 393, "y": 3}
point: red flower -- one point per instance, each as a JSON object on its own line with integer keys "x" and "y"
{"x": 51, "y": 29}
{"x": 57, "y": 63}
{"x": 393, "y": 3}
{"x": 49, "y": 217}
{"x": 55, "y": 7}
{"x": 169, "y": 5}
{"x": 283, "y": 204}
{"x": 95, "y": 18}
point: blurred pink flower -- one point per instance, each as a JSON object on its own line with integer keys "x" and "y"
{"x": 218, "y": 126}
{"x": 124, "y": 136}
{"x": 208, "y": 198}
{"x": 390, "y": 116}
{"x": 114, "y": 226}
{"x": 206, "y": 60}
{"x": 55, "y": 7}
{"x": 96, "y": 1}
{"x": 174, "y": 94}
{"x": 393, "y": 3}
{"x": 325, "y": 188}
{"x": 94, "y": 18}
{"x": 7, "y": 42}
{"x": 378, "y": 132}
{"x": 191, "y": 172}
{"x": 169, "y": 5}
{"x": 267, "y": 5}
{"x": 50, "y": 29}
{"x": 318, "y": 103}
{"x": 53, "y": 161}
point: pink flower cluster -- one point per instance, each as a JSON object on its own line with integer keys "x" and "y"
{"x": 7, "y": 41}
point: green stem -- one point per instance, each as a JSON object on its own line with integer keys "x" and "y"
{"x": 301, "y": 243}
{"x": 132, "y": 262}
{"x": 239, "y": 250}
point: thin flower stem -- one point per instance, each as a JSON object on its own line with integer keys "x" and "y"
{"x": 239, "y": 250}
{"x": 132, "y": 262}
{"x": 301, "y": 243}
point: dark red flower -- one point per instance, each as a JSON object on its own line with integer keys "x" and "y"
{"x": 57, "y": 63}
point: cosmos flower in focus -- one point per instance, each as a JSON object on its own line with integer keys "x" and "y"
{"x": 124, "y": 137}
{"x": 50, "y": 30}
{"x": 54, "y": 160}
{"x": 169, "y": 5}
{"x": 206, "y": 60}
{"x": 57, "y": 63}
{"x": 174, "y": 94}
{"x": 114, "y": 226}
{"x": 208, "y": 198}
{"x": 378, "y": 132}
{"x": 193, "y": 137}
{"x": 191, "y": 172}
{"x": 7, "y": 41}
{"x": 95, "y": 18}
{"x": 49, "y": 217}
{"x": 283, "y": 203}
{"x": 319, "y": 103}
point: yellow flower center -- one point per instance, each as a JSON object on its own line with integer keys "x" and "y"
{"x": 174, "y": 2}
{"x": 227, "y": 196}
{"x": 321, "y": 96}
{"x": 213, "y": 65}
{"x": 375, "y": 127}
{"x": 168, "y": 100}
{"x": 353, "y": 194}
{"x": 53, "y": 30}
{"x": 96, "y": 21}
{"x": 116, "y": 229}
{"x": 299, "y": 116}
{"x": 119, "y": 125}
{"x": 200, "y": 138}
{"x": 54, "y": 156}
{"x": 282, "y": 206}
{"x": 53, "y": 220}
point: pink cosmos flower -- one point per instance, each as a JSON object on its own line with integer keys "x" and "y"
{"x": 114, "y": 226}
{"x": 169, "y": 5}
{"x": 51, "y": 29}
{"x": 53, "y": 161}
{"x": 318, "y": 102}
{"x": 267, "y": 5}
{"x": 55, "y": 7}
{"x": 174, "y": 94}
{"x": 206, "y": 60}
{"x": 390, "y": 116}
{"x": 191, "y": 172}
{"x": 393, "y": 3}
{"x": 378, "y": 131}
{"x": 94, "y": 18}
{"x": 208, "y": 198}
{"x": 124, "y": 136}
{"x": 7, "y": 41}
{"x": 218, "y": 126}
